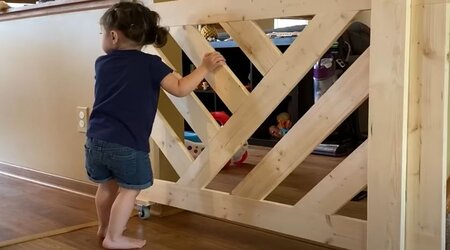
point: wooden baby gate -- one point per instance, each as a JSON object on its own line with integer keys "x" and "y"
{"x": 404, "y": 160}
{"x": 403, "y": 163}
{"x": 313, "y": 217}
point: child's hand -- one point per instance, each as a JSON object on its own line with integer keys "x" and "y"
{"x": 213, "y": 60}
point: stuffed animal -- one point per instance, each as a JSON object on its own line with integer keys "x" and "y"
{"x": 283, "y": 126}
{"x": 3, "y": 6}
{"x": 195, "y": 145}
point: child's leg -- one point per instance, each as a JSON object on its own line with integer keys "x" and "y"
{"x": 104, "y": 199}
{"x": 120, "y": 213}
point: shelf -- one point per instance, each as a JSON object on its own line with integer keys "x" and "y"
{"x": 282, "y": 41}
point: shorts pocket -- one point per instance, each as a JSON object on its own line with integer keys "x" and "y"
{"x": 123, "y": 163}
{"x": 123, "y": 155}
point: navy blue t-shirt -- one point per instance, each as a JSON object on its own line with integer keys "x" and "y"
{"x": 126, "y": 97}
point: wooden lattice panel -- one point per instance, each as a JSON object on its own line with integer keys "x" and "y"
{"x": 313, "y": 217}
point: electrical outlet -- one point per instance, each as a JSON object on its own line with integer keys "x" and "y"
{"x": 82, "y": 115}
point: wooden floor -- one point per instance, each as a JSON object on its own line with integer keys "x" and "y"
{"x": 28, "y": 208}
{"x": 312, "y": 170}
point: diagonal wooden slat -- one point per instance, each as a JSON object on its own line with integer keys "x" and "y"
{"x": 254, "y": 43}
{"x": 283, "y": 77}
{"x": 226, "y": 11}
{"x": 339, "y": 186}
{"x": 170, "y": 144}
{"x": 346, "y": 94}
{"x": 190, "y": 107}
{"x": 223, "y": 80}
{"x": 334, "y": 230}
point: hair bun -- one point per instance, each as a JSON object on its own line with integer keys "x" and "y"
{"x": 161, "y": 37}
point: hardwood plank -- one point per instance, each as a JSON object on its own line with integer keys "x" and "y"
{"x": 170, "y": 144}
{"x": 66, "y": 184}
{"x": 224, "y": 82}
{"x": 313, "y": 42}
{"x": 47, "y": 234}
{"x": 340, "y": 186}
{"x": 28, "y": 208}
{"x": 428, "y": 126}
{"x": 254, "y": 43}
{"x": 182, "y": 231}
{"x": 346, "y": 94}
{"x": 185, "y": 231}
{"x": 389, "y": 67}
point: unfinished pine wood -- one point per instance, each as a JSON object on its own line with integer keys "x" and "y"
{"x": 226, "y": 11}
{"x": 190, "y": 107}
{"x": 223, "y": 80}
{"x": 389, "y": 67}
{"x": 254, "y": 43}
{"x": 428, "y": 126}
{"x": 170, "y": 144}
{"x": 263, "y": 214}
{"x": 346, "y": 94}
{"x": 313, "y": 41}
{"x": 340, "y": 186}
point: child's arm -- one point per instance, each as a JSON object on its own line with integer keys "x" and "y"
{"x": 182, "y": 86}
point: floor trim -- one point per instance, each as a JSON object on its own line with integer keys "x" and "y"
{"x": 49, "y": 180}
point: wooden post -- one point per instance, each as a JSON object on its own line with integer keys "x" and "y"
{"x": 427, "y": 125}
{"x": 408, "y": 140}
{"x": 389, "y": 67}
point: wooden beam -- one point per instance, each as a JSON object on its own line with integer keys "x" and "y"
{"x": 339, "y": 186}
{"x": 343, "y": 97}
{"x": 309, "y": 46}
{"x": 333, "y": 230}
{"x": 254, "y": 43}
{"x": 170, "y": 144}
{"x": 190, "y": 107}
{"x": 223, "y": 80}
{"x": 428, "y": 126}
{"x": 218, "y": 11}
{"x": 389, "y": 67}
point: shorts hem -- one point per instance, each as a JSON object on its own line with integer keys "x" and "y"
{"x": 135, "y": 187}
{"x": 100, "y": 181}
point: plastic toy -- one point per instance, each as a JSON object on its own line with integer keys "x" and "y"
{"x": 195, "y": 145}
{"x": 283, "y": 126}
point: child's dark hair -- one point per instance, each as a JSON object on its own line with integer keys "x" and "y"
{"x": 137, "y": 22}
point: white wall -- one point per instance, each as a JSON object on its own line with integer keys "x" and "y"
{"x": 46, "y": 71}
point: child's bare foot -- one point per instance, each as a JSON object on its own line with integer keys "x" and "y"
{"x": 123, "y": 243}
{"x": 101, "y": 232}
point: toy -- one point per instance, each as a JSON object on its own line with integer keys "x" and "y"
{"x": 195, "y": 145}
{"x": 3, "y": 6}
{"x": 209, "y": 32}
{"x": 283, "y": 126}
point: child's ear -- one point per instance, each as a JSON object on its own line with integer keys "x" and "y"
{"x": 114, "y": 36}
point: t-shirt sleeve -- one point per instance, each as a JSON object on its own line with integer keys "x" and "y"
{"x": 159, "y": 69}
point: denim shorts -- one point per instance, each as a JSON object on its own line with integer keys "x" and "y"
{"x": 129, "y": 167}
